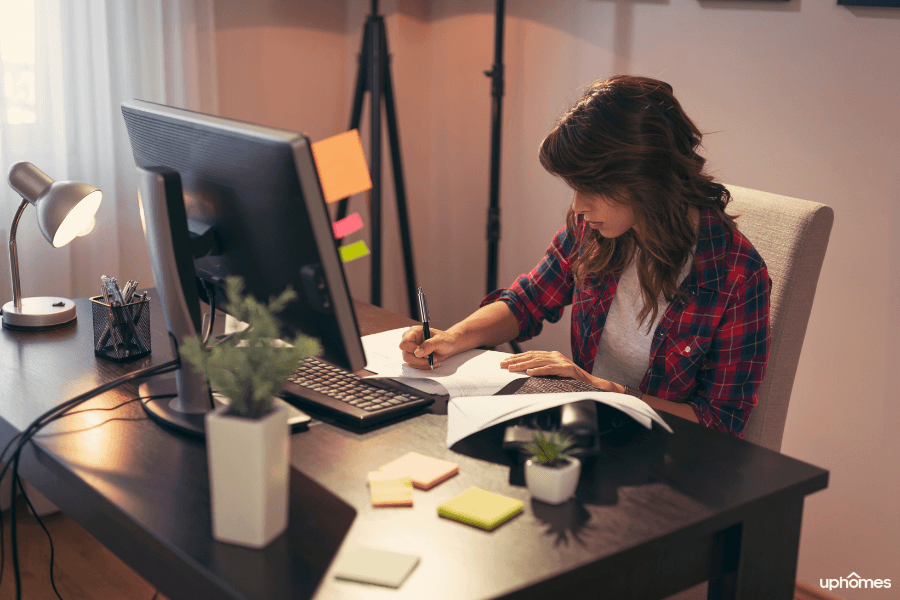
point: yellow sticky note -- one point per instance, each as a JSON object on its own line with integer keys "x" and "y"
{"x": 481, "y": 508}
{"x": 353, "y": 251}
{"x": 391, "y": 491}
{"x": 341, "y": 165}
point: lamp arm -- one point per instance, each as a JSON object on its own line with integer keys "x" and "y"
{"x": 14, "y": 256}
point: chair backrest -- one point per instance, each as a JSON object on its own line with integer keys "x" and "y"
{"x": 791, "y": 235}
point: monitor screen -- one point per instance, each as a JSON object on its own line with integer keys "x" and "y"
{"x": 256, "y": 192}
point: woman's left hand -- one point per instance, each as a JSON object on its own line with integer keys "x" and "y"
{"x": 539, "y": 363}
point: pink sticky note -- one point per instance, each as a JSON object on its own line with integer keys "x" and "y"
{"x": 346, "y": 226}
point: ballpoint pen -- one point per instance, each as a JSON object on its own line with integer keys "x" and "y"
{"x": 423, "y": 313}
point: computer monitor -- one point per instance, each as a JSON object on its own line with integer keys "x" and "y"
{"x": 219, "y": 198}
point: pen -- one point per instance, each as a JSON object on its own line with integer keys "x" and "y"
{"x": 423, "y": 313}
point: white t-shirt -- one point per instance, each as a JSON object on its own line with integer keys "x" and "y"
{"x": 623, "y": 356}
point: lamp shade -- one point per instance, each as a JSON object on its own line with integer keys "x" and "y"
{"x": 65, "y": 209}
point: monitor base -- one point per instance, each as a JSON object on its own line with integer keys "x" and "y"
{"x": 159, "y": 397}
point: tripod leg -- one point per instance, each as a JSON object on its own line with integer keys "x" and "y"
{"x": 356, "y": 113}
{"x": 399, "y": 185}
{"x": 376, "y": 76}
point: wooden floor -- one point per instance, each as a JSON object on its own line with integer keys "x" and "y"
{"x": 85, "y": 570}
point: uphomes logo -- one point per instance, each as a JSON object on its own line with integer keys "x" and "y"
{"x": 854, "y": 581}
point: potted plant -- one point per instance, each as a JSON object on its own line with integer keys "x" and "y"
{"x": 248, "y": 439}
{"x": 551, "y": 475}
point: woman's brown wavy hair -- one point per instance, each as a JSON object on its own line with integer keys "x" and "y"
{"x": 627, "y": 139}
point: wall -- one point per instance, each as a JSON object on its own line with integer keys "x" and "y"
{"x": 800, "y": 98}
{"x": 793, "y": 115}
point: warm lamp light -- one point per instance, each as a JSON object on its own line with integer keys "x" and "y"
{"x": 65, "y": 210}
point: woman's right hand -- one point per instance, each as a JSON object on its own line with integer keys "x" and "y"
{"x": 416, "y": 348}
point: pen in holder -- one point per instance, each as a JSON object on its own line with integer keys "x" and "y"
{"x": 121, "y": 332}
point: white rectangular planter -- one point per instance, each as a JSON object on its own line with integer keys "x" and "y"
{"x": 249, "y": 473}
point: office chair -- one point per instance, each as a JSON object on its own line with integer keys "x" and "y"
{"x": 791, "y": 235}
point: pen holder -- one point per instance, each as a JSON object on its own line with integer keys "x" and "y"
{"x": 121, "y": 333}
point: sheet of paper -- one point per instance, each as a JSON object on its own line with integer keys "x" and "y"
{"x": 471, "y": 373}
{"x": 466, "y": 416}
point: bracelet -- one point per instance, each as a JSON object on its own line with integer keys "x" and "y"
{"x": 632, "y": 392}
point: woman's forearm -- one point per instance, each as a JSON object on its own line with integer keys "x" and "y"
{"x": 490, "y": 325}
{"x": 685, "y": 411}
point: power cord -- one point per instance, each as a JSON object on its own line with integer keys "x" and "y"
{"x": 41, "y": 523}
{"x": 24, "y": 437}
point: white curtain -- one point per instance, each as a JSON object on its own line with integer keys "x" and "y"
{"x": 66, "y": 66}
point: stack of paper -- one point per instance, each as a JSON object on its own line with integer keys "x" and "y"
{"x": 466, "y": 416}
{"x": 470, "y": 373}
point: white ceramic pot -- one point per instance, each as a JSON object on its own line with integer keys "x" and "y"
{"x": 249, "y": 472}
{"x": 553, "y": 485}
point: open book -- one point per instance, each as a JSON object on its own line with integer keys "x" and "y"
{"x": 470, "y": 373}
{"x": 466, "y": 416}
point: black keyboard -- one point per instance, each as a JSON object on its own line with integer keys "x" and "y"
{"x": 360, "y": 402}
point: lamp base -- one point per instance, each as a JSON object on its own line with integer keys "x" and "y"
{"x": 44, "y": 312}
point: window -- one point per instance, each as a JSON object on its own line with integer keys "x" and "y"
{"x": 17, "y": 41}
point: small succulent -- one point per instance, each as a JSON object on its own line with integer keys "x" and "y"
{"x": 250, "y": 366}
{"x": 550, "y": 449}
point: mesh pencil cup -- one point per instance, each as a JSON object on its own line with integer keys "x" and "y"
{"x": 121, "y": 333}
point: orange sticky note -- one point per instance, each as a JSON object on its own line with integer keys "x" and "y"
{"x": 390, "y": 491}
{"x": 425, "y": 471}
{"x": 341, "y": 165}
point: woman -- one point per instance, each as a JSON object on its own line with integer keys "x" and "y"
{"x": 670, "y": 302}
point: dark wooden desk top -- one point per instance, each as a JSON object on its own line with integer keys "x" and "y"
{"x": 143, "y": 491}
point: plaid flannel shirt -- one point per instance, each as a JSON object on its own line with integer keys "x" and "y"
{"x": 710, "y": 352}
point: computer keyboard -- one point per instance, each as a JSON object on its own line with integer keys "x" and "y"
{"x": 350, "y": 398}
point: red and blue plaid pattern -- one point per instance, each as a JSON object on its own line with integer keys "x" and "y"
{"x": 710, "y": 352}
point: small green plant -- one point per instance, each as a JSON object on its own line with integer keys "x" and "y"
{"x": 250, "y": 366}
{"x": 550, "y": 450}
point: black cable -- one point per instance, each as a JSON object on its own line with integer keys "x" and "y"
{"x": 211, "y": 295}
{"x": 67, "y": 414}
{"x": 61, "y": 408}
{"x": 48, "y": 417}
{"x": 155, "y": 594}
{"x": 41, "y": 523}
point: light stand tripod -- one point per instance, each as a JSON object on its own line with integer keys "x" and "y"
{"x": 493, "y": 224}
{"x": 374, "y": 76}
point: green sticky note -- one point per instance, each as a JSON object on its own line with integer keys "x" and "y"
{"x": 481, "y": 508}
{"x": 354, "y": 251}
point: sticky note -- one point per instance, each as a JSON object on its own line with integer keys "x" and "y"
{"x": 341, "y": 165}
{"x": 425, "y": 471}
{"x": 380, "y": 567}
{"x": 390, "y": 491}
{"x": 481, "y": 508}
{"x": 346, "y": 226}
{"x": 353, "y": 251}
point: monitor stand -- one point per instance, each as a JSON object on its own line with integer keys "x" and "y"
{"x": 160, "y": 400}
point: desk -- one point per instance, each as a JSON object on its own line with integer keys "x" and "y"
{"x": 654, "y": 514}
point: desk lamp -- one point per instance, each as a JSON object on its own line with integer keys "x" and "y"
{"x": 65, "y": 209}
